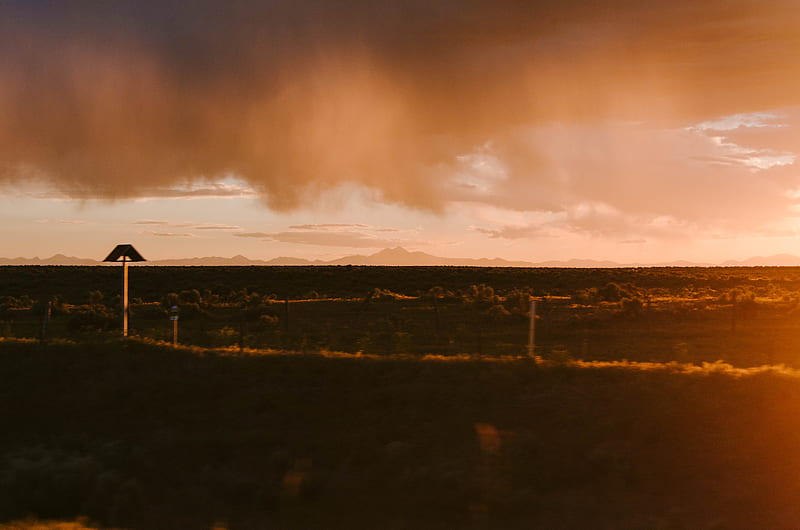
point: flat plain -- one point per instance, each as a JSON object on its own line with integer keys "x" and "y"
{"x": 366, "y": 397}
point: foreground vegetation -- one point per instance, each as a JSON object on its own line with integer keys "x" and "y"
{"x": 136, "y": 434}
{"x": 745, "y": 316}
{"x": 398, "y": 397}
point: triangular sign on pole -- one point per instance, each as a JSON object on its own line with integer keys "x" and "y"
{"x": 124, "y": 253}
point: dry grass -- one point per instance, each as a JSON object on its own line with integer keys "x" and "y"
{"x": 138, "y": 434}
{"x": 32, "y": 524}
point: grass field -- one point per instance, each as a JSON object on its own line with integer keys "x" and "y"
{"x": 137, "y": 434}
{"x": 390, "y": 398}
{"x": 745, "y": 316}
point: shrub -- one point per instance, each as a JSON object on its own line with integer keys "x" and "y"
{"x": 85, "y": 319}
{"x": 518, "y": 301}
{"x": 587, "y": 296}
{"x": 614, "y": 292}
{"x": 190, "y": 296}
{"x": 632, "y": 306}
{"x": 225, "y": 336}
{"x": 169, "y": 300}
{"x": 384, "y": 295}
{"x": 497, "y": 312}
{"x": 95, "y": 298}
{"x": 482, "y": 296}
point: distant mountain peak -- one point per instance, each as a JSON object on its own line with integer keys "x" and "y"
{"x": 399, "y": 250}
{"x": 781, "y": 260}
{"x": 399, "y": 256}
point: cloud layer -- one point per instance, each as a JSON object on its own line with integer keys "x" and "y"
{"x": 334, "y": 235}
{"x": 546, "y": 106}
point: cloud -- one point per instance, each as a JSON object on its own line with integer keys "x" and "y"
{"x": 151, "y": 222}
{"x": 63, "y": 221}
{"x": 729, "y": 123}
{"x": 193, "y": 226}
{"x": 584, "y": 219}
{"x": 329, "y": 239}
{"x": 328, "y": 226}
{"x": 512, "y": 104}
{"x": 217, "y": 227}
{"x": 212, "y": 190}
{"x": 222, "y": 189}
{"x": 259, "y": 235}
{"x": 641, "y": 171}
{"x": 514, "y": 232}
{"x": 166, "y": 234}
{"x": 158, "y": 222}
{"x": 333, "y": 235}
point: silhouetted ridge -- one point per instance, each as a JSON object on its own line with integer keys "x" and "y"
{"x": 399, "y": 256}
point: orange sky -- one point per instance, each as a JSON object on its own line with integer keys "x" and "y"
{"x": 612, "y": 130}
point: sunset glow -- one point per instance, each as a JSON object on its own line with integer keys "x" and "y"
{"x": 633, "y": 132}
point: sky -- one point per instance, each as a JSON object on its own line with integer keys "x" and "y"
{"x": 539, "y": 130}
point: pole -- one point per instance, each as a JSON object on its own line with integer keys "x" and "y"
{"x": 173, "y": 316}
{"x": 124, "y": 296}
{"x": 532, "y": 330}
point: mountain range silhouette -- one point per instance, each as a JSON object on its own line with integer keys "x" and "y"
{"x": 399, "y": 256}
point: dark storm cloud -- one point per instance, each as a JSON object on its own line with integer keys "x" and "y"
{"x": 114, "y": 99}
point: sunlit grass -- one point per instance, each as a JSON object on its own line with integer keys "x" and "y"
{"x": 33, "y": 524}
{"x": 718, "y": 367}
{"x": 143, "y": 430}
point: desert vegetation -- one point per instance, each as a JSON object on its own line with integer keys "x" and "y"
{"x": 142, "y": 435}
{"x": 745, "y": 316}
{"x": 351, "y": 397}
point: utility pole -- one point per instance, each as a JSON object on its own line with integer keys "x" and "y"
{"x": 124, "y": 296}
{"x": 124, "y": 253}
